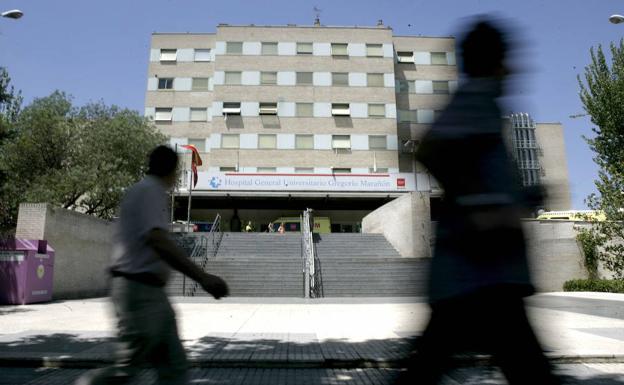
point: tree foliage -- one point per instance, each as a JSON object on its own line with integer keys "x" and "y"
{"x": 77, "y": 158}
{"x": 602, "y": 94}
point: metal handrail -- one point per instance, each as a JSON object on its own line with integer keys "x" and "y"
{"x": 201, "y": 248}
{"x": 308, "y": 254}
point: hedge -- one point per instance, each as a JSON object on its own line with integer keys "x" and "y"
{"x": 600, "y": 285}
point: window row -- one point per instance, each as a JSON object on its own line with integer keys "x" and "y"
{"x": 292, "y": 142}
{"x": 292, "y": 78}
{"x": 345, "y": 50}
{"x": 426, "y": 86}
{"x": 283, "y": 109}
{"x": 417, "y": 116}
{"x": 180, "y": 84}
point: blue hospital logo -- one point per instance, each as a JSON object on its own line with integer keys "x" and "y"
{"x": 215, "y": 182}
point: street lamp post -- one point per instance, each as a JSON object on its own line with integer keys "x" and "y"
{"x": 12, "y": 14}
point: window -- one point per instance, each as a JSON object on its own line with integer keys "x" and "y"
{"x": 199, "y": 84}
{"x": 227, "y": 169}
{"x": 304, "y": 142}
{"x": 269, "y": 48}
{"x": 268, "y": 108}
{"x": 402, "y": 86}
{"x": 375, "y": 80}
{"x": 377, "y": 142}
{"x": 374, "y": 50}
{"x": 267, "y": 141}
{"x": 340, "y": 79}
{"x": 437, "y": 114}
{"x": 202, "y": 54}
{"x": 200, "y": 144}
{"x": 304, "y": 109}
{"x": 339, "y": 49}
{"x": 379, "y": 170}
{"x": 405, "y": 56}
{"x": 304, "y": 170}
{"x": 408, "y": 116}
{"x": 262, "y": 170}
{"x": 341, "y": 170}
{"x": 165, "y": 83}
{"x": 304, "y": 78}
{"x": 377, "y": 110}
{"x": 268, "y": 77}
{"x": 231, "y": 108}
{"x": 163, "y": 114}
{"x": 438, "y": 58}
{"x": 230, "y": 141}
{"x": 168, "y": 54}
{"x": 341, "y": 142}
{"x": 341, "y": 109}
{"x": 234, "y": 48}
{"x": 304, "y": 48}
{"x": 233, "y": 78}
{"x": 199, "y": 114}
{"x": 440, "y": 87}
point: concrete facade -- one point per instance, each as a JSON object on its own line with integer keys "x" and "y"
{"x": 554, "y": 165}
{"x": 82, "y": 244}
{"x": 242, "y": 56}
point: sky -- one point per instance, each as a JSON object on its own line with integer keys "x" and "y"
{"x": 99, "y": 50}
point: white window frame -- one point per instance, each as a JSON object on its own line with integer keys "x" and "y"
{"x": 445, "y": 91}
{"x": 403, "y": 58}
{"x": 340, "y": 109}
{"x": 234, "y": 137}
{"x": 371, "y": 50}
{"x": 169, "y": 81}
{"x": 337, "y": 49}
{"x": 264, "y": 46}
{"x": 266, "y": 170}
{"x": 194, "y": 86}
{"x": 199, "y": 143}
{"x": 272, "y": 137}
{"x": 304, "y": 170}
{"x": 379, "y": 77}
{"x": 233, "y": 73}
{"x": 432, "y": 54}
{"x": 341, "y": 170}
{"x": 204, "y": 55}
{"x": 345, "y": 74}
{"x": 200, "y": 111}
{"x": 227, "y": 169}
{"x": 300, "y": 83}
{"x": 370, "y": 142}
{"x": 231, "y": 108}
{"x": 379, "y": 170}
{"x": 302, "y": 51}
{"x": 168, "y": 54}
{"x": 299, "y": 113}
{"x": 341, "y": 142}
{"x": 229, "y": 48}
{"x": 376, "y": 115}
{"x": 263, "y": 79}
{"x": 163, "y": 114}
{"x": 298, "y": 142}
{"x": 267, "y": 108}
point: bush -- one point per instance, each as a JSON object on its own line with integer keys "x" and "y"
{"x": 600, "y": 285}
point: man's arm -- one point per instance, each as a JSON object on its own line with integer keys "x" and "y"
{"x": 177, "y": 259}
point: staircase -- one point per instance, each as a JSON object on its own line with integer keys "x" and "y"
{"x": 254, "y": 265}
{"x": 350, "y": 264}
{"x": 366, "y": 265}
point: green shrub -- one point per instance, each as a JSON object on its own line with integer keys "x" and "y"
{"x": 600, "y": 285}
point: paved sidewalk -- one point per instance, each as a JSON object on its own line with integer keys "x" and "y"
{"x": 281, "y": 334}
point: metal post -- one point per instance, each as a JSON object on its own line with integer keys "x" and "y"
{"x": 188, "y": 216}
{"x": 173, "y": 191}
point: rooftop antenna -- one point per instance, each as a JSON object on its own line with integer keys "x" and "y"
{"x": 317, "y": 18}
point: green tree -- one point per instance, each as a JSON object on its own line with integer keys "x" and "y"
{"x": 602, "y": 94}
{"x": 76, "y": 158}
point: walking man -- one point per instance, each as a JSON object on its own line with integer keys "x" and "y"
{"x": 143, "y": 255}
{"x": 479, "y": 272}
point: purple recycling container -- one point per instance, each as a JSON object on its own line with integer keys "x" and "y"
{"x": 26, "y": 272}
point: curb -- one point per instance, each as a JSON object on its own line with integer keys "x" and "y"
{"x": 464, "y": 360}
